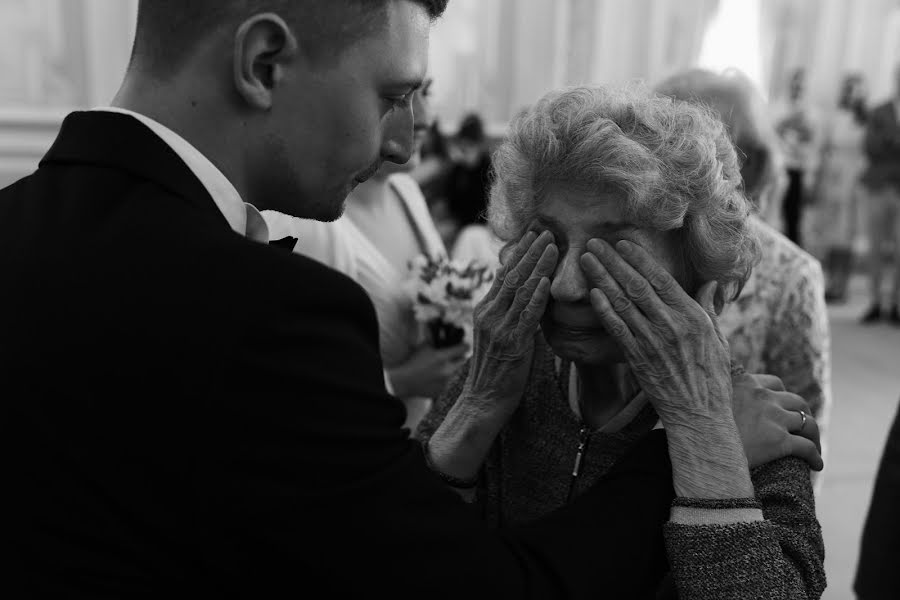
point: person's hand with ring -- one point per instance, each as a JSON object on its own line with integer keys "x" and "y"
{"x": 774, "y": 423}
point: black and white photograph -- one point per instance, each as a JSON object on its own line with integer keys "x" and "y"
{"x": 450, "y": 299}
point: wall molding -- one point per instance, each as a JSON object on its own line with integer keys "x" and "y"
{"x": 25, "y": 136}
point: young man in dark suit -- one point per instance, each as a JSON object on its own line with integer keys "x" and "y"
{"x": 189, "y": 410}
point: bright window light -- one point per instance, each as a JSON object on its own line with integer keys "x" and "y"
{"x": 732, "y": 40}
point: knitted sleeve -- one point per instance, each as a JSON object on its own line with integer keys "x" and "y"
{"x": 737, "y": 557}
{"x": 442, "y": 404}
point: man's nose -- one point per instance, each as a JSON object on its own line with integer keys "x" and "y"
{"x": 397, "y": 144}
{"x": 569, "y": 283}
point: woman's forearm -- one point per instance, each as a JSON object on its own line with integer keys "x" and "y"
{"x": 779, "y": 557}
{"x": 708, "y": 459}
{"x": 461, "y": 444}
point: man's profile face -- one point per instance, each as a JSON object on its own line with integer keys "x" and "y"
{"x": 335, "y": 124}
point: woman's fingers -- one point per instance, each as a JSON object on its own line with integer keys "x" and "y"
{"x": 770, "y": 382}
{"x": 618, "y": 300}
{"x": 612, "y": 322}
{"x": 635, "y": 287}
{"x": 808, "y": 451}
{"x": 803, "y": 425}
{"x": 517, "y": 275}
{"x": 665, "y": 286}
{"x": 534, "y": 310}
{"x": 543, "y": 269}
{"x": 792, "y": 402}
{"x": 510, "y": 263}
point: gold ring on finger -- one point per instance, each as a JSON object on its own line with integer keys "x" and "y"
{"x": 802, "y": 420}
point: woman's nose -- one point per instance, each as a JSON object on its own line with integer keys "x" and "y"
{"x": 569, "y": 283}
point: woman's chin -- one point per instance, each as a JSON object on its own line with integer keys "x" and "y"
{"x": 595, "y": 348}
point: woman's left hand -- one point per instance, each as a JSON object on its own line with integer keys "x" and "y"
{"x": 681, "y": 361}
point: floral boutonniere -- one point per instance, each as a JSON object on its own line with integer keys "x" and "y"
{"x": 444, "y": 294}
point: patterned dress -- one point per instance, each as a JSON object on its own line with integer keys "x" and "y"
{"x": 779, "y": 323}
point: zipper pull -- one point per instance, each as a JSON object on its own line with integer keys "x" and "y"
{"x": 579, "y": 455}
{"x": 583, "y": 437}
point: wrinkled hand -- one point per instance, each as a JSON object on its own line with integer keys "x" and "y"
{"x": 671, "y": 342}
{"x": 427, "y": 371}
{"x": 681, "y": 361}
{"x": 768, "y": 419}
{"x": 506, "y": 322}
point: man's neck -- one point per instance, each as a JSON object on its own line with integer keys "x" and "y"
{"x": 189, "y": 115}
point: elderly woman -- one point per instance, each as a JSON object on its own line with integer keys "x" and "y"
{"x": 626, "y": 231}
{"x": 779, "y": 322}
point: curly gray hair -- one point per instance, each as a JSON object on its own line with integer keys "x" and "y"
{"x": 672, "y": 161}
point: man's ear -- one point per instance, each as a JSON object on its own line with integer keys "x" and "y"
{"x": 263, "y": 48}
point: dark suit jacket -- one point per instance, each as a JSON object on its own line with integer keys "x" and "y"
{"x": 876, "y": 573}
{"x": 188, "y": 411}
{"x": 882, "y": 145}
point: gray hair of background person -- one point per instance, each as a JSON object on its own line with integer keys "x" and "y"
{"x": 742, "y": 108}
{"x": 672, "y": 161}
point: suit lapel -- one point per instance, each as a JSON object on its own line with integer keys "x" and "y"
{"x": 121, "y": 142}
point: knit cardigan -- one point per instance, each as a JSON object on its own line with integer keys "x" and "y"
{"x": 713, "y": 552}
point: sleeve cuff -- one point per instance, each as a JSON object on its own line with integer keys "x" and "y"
{"x": 682, "y": 515}
{"x": 699, "y": 511}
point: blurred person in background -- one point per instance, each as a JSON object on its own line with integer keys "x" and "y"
{"x": 385, "y": 225}
{"x": 779, "y": 322}
{"x": 433, "y": 176}
{"x": 798, "y": 124}
{"x": 468, "y": 195}
{"x": 882, "y": 182}
{"x": 468, "y": 183}
{"x": 837, "y": 189}
{"x": 632, "y": 201}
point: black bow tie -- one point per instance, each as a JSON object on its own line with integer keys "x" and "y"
{"x": 287, "y": 243}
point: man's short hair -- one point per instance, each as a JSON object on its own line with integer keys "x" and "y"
{"x": 168, "y": 30}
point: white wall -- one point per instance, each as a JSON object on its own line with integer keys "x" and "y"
{"x": 495, "y": 56}
{"x": 56, "y": 56}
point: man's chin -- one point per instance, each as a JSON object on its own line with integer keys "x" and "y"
{"x": 319, "y": 212}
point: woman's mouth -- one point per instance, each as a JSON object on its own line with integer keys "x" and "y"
{"x": 575, "y": 329}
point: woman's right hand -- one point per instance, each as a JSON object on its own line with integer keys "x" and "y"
{"x": 506, "y": 321}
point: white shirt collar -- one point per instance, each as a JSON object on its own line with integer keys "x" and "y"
{"x": 243, "y": 218}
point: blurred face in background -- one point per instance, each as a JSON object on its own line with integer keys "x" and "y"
{"x": 851, "y": 91}
{"x": 797, "y": 85}
{"x": 423, "y": 118}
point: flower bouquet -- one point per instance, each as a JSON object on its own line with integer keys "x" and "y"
{"x": 444, "y": 294}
